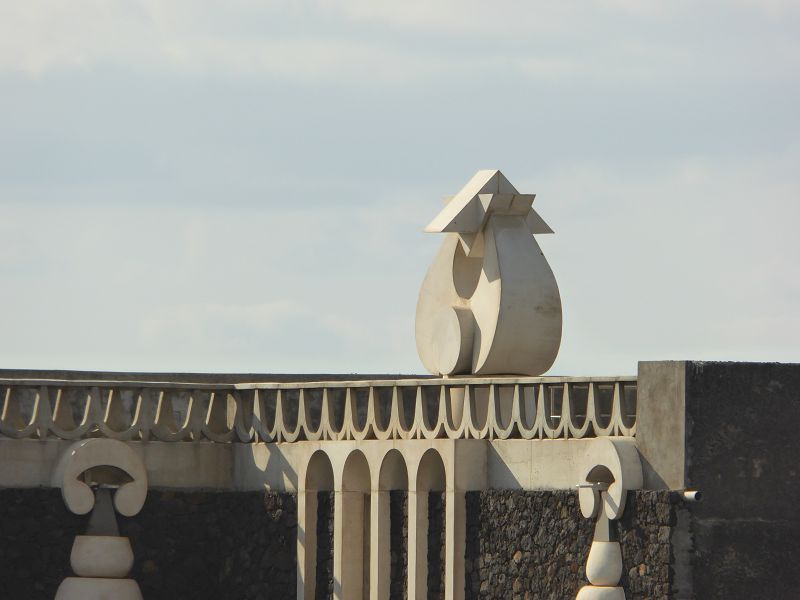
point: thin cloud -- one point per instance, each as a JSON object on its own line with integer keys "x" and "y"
{"x": 331, "y": 41}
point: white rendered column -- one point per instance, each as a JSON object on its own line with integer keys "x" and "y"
{"x": 348, "y": 545}
{"x": 306, "y": 544}
{"x": 455, "y": 544}
{"x": 417, "y": 545}
{"x": 380, "y": 541}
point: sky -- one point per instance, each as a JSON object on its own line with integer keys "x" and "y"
{"x": 241, "y": 186}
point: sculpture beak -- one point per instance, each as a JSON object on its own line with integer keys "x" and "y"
{"x": 469, "y": 217}
{"x": 457, "y": 217}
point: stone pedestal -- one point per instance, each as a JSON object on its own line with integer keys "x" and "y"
{"x": 591, "y": 592}
{"x": 101, "y": 556}
{"x": 102, "y": 561}
{"x": 98, "y": 588}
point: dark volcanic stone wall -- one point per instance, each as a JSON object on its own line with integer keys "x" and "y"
{"x": 36, "y": 535}
{"x": 218, "y": 546}
{"x": 647, "y": 532}
{"x": 240, "y": 545}
{"x": 530, "y": 545}
{"x": 398, "y": 544}
{"x": 436, "y": 544}
{"x": 324, "y": 574}
{"x": 525, "y": 542}
{"x": 743, "y": 421}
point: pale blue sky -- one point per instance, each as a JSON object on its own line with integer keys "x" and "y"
{"x": 242, "y": 186}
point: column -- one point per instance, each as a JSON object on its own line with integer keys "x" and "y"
{"x": 348, "y": 545}
{"x": 455, "y": 544}
{"x": 306, "y": 544}
{"x": 417, "y": 545}
{"x": 380, "y": 559}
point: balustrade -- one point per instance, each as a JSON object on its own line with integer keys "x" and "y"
{"x": 456, "y": 408}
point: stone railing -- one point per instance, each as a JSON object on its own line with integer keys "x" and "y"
{"x": 456, "y": 408}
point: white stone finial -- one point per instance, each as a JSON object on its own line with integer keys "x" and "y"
{"x": 97, "y": 452}
{"x": 101, "y": 559}
{"x": 609, "y": 469}
{"x": 489, "y": 303}
{"x": 614, "y": 463}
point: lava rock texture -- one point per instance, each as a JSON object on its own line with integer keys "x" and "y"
{"x": 221, "y": 546}
{"x": 534, "y": 545}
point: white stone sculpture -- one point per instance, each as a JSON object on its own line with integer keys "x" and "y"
{"x": 489, "y": 303}
{"x": 610, "y": 468}
{"x": 102, "y": 559}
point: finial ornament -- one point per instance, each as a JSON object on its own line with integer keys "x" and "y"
{"x": 489, "y": 304}
{"x": 101, "y": 558}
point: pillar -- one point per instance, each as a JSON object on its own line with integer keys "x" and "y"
{"x": 380, "y": 559}
{"x": 417, "y": 545}
{"x": 307, "y": 505}
{"x": 348, "y": 545}
{"x": 455, "y": 544}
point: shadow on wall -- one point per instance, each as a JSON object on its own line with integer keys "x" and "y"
{"x": 502, "y": 477}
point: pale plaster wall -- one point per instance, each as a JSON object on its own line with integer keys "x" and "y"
{"x": 475, "y": 464}
{"x": 32, "y": 463}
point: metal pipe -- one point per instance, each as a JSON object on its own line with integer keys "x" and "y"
{"x": 597, "y": 485}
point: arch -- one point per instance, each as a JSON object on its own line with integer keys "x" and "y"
{"x": 392, "y": 477}
{"x": 393, "y": 473}
{"x": 430, "y": 473}
{"x": 355, "y": 475}
{"x": 429, "y": 477}
{"x": 319, "y": 473}
{"x": 315, "y": 510}
{"x": 352, "y": 516}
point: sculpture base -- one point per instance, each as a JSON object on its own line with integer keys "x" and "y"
{"x": 593, "y": 592}
{"x": 101, "y": 556}
{"x": 96, "y": 588}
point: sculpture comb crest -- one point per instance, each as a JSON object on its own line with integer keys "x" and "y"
{"x": 489, "y": 303}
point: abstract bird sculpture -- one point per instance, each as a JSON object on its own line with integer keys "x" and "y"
{"x": 489, "y": 304}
